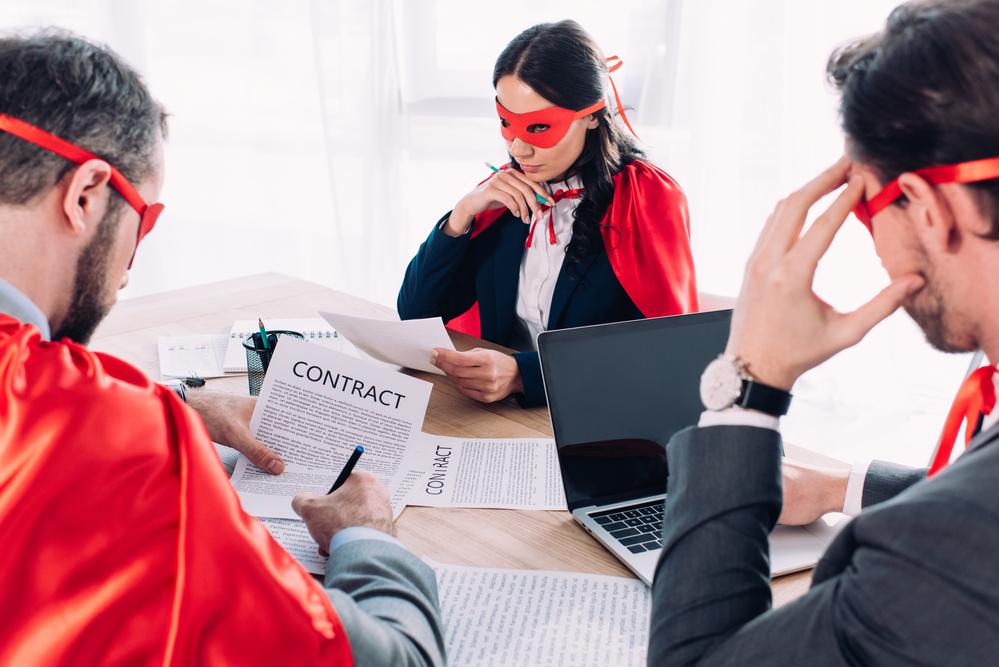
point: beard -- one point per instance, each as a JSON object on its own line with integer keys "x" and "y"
{"x": 88, "y": 305}
{"x": 928, "y": 309}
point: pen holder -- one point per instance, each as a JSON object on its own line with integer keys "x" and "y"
{"x": 258, "y": 359}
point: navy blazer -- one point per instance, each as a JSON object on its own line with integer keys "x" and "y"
{"x": 450, "y": 274}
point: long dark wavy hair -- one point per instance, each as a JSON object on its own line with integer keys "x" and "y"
{"x": 563, "y": 64}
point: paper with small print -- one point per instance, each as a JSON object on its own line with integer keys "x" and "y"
{"x": 315, "y": 406}
{"x": 511, "y": 473}
{"x": 510, "y": 618}
{"x": 294, "y": 536}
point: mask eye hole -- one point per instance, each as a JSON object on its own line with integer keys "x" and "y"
{"x": 504, "y": 122}
{"x": 538, "y": 128}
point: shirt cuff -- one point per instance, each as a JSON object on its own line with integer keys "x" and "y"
{"x": 736, "y": 416}
{"x": 443, "y": 223}
{"x": 853, "y": 500}
{"x": 355, "y": 533}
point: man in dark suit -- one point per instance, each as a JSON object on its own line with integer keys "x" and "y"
{"x": 914, "y": 578}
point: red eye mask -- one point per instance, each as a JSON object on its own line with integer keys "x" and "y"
{"x": 962, "y": 172}
{"x": 543, "y": 128}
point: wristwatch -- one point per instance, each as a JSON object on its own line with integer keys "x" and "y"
{"x": 177, "y": 387}
{"x": 726, "y": 383}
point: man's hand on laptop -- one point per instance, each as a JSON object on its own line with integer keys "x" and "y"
{"x": 227, "y": 418}
{"x": 361, "y": 501}
{"x": 780, "y": 327}
{"x": 810, "y": 492}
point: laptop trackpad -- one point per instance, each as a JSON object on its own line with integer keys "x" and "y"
{"x": 794, "y": 548}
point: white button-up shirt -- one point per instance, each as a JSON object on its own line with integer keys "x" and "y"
{"x": 542, "y": 262}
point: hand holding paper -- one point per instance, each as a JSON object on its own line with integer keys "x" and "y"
{"x": 315, "y": 406}
{"x": 406, "y": 343}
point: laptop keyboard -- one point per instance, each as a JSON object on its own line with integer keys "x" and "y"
{"x": 639, "y": 528}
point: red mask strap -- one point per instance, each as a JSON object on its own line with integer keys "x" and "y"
{"x": 962, "y": 172}
{"x": 75, "y": 154}
{"x": 617, "y": 98}
{"x": 593, "y": 108}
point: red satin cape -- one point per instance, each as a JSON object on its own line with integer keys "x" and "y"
{"x": 123, "y": 542}
{"x": 646, "y": 232}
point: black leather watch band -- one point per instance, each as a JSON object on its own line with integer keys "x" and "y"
{"x": 764, "y": 398}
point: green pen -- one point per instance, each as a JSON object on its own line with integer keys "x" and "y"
{"x": 540, "y": 199}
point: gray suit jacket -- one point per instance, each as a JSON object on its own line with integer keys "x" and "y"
{"x": 886, "y": 480}
{"x": 386, "y": 599}
{"x": 913, "y": 580}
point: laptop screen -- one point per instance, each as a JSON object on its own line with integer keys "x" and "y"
{"x": 618, "y": 392}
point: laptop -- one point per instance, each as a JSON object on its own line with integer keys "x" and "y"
{"x": 617, "y": 393}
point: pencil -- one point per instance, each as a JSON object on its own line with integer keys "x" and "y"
{"x": 347, "y": 469}
{"x": 263, "y": 335}
{"x": 540, "y": 199}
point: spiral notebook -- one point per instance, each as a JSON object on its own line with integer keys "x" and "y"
{"x": 315, "y": 329}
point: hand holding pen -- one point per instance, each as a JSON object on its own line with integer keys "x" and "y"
{"x": 507, "y": 188}
{"x": 362, "y": 501}
{"x": 347, "y": 468}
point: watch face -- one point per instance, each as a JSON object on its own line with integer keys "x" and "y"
{"x": 721, "y": 384}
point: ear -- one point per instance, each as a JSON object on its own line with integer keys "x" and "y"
{"x": 930, "y": 214}
{"x": 86, "y": 197}
{"x": 591, "y": 122}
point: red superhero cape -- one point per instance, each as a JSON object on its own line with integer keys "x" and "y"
{"x": 123, "y": 541}
{"x": 646, "y": 232}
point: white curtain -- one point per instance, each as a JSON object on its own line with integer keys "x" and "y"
{"x": 323, "y": 138}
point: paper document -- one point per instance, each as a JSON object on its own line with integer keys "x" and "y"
{"x": 495, "y": 618}
{"x": 188, "y": 356}
{"x": 315, "y": 329}
{"x": 315, "y": 406}
{"x": 508, "y": 474}
{"x": 296, "y": 540}
{"x": 406, "y": 343}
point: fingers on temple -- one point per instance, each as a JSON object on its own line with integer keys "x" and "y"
{"x": 820, "y": 235}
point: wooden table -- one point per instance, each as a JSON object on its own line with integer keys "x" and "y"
{"x": 485, "y": 538}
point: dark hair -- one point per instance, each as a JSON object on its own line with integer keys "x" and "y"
{"x": 925, "y": 91}
{"x": 563, "y": 64}
{"x": 81, "y": 92}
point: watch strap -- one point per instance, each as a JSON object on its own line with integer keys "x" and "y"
{"x": 764, "y": 398}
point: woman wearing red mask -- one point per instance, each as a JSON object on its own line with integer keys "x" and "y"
{"x": 611, "y": 241}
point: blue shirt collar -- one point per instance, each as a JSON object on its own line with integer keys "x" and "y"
{"x": 13, "y": 302}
